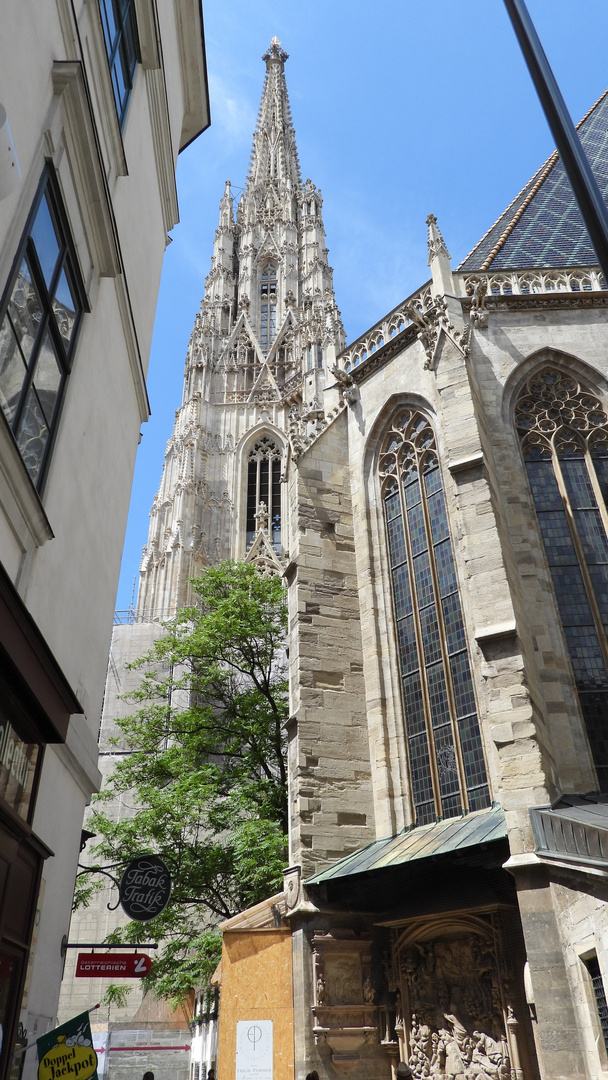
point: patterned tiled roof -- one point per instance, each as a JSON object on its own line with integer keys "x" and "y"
{"x": 543, "y": 226}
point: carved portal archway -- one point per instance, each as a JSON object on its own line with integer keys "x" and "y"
{"x": 458, "y": 1005}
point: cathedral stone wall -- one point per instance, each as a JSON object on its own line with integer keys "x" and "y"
{"x": 329, "y": 754}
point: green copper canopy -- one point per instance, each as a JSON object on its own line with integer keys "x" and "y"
{"x": 438, "y": 839}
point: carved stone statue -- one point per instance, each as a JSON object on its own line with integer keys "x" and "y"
{"x": 368, "y": 991}
{"x": 321, "y": 991}
{"x": 455, "y": 1028}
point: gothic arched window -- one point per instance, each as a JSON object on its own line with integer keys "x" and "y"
{"x": 564, "y": 436}
{"x": 268, "y": 307}
{"x": 448, "y": 773}
{"x": 264, "y": 486}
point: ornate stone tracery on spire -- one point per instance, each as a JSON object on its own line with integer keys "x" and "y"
{"x": 275, "y": 52}
{"x": 436, "y": 243}
{"x": 262, "y": 347}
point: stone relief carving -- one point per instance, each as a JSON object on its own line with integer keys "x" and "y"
{"x": 456, "y": 1023}
{"x": 344, "y": 1014}
{"x": 344, "y": 979}
{"x": 291, "y": 886}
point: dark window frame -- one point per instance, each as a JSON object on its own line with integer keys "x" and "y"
{"x": 122, "y": 50}
{"x": 562, "y": 424}
{"x": 447, "y": 767}
{"x": 264, "y": 486}
{"x": 66, "y": 265}
{"x": 599, "y": 994}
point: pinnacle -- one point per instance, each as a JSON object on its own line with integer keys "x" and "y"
{"x": 436, "y": 243}
{"x": 274, "y": 155}
{"x": 275, "y": 52}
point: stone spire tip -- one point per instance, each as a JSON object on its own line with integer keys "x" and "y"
{"x": 275, "y": 52}
{"x": 435, "y": 241}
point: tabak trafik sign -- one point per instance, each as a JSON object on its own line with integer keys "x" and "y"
{"x": 145, "y": 888}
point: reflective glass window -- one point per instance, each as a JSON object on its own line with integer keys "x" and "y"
{"x": 39, "y": 318}
{"x": 122, "y": 47}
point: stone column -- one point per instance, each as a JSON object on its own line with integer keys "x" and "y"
{"x": 562, "y": 1057}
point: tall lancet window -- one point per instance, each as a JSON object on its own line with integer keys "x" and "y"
{"x": 268, "y": 306}
{"x": 564, "y": 436}
{"x": 447, "y": 768}
{"x": 264, "y": 486}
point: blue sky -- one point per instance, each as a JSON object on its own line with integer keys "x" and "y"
{"x": 401, "y": 108}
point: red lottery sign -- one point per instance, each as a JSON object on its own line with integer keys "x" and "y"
{"x": 112, "y": 965}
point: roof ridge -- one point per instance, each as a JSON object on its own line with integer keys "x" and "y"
{"x": 536, "y": 180}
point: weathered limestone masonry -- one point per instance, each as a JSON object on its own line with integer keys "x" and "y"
{"x": 332, "y": 809}
{"x": 547, "y": 713}
{"x": 465, "y": 366}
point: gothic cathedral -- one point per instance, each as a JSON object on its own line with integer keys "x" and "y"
{"x": 435, "y": 496}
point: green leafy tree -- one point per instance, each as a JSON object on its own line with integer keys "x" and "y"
{"x": 206, "y": 774}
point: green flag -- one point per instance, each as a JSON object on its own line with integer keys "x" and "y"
{"x": 67, "y": 1052}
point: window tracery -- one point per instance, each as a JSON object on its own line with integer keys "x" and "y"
{"x": 268, "y": 308}
{"x": 446, "y": 760}
{"x": 563, "y": 431}
{"x": 264, "y": 486}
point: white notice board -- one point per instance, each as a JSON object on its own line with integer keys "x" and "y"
{"x": 254, "y": 1050}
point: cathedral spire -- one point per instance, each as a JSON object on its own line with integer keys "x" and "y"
{"x": 262, "y": 349}
{"x": 274, "y": 156}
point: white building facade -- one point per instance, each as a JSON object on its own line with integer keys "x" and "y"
{"x": 100, "y": 98}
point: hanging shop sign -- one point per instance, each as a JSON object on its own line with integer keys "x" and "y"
{"x": 112, "y": 966}
{"x": 145, "y": 888}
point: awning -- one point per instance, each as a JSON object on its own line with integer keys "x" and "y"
{"x": 575, "y": 829}
{"x": 441, "y": 838}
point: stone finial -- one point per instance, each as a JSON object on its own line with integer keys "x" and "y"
{"x": 439, "y": 259}
{"x": 261, "y": 517}
{"x": 436, "y": 243}
{"x": 275, "y": 52}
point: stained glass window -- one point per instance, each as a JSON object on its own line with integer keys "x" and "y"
{"x": 564, "y": 434}
{"x": 447, "y": 767}
{"x": 264, "y": 486}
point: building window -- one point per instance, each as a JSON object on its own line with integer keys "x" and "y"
{"x": 599, "y": 992}
{"x": 39, "y": 319}
{"x": 122, "y": 46}
{"x": 448, "y": 773}
{"x": 268, "y": 292}
{"x": 319, "y": 356}
{"x": 564, "y": 436}
{"x": 264, "y": 486}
